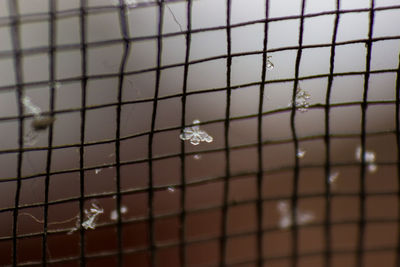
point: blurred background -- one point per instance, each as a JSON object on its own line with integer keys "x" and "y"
{"x": 216, "y": 185}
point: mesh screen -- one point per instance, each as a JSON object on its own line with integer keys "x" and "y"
{"x": 99, "y": 164}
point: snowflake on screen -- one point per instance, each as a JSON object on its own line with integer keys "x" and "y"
{"x": 195, "y": 135}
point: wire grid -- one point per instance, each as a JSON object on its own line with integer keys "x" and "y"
{"x": 15, "y": 19}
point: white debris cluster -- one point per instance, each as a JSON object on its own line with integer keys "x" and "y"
{"x": 91, "y": 217}
{"x": 301, "y": 100}
{"x": 114, "y": 213}
{"x": 285, "y": 220}
{"x": 369, "y": 158}
{"x": 195, "y": 135}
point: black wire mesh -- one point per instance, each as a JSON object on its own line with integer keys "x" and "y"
{"x": 120, "y": 254}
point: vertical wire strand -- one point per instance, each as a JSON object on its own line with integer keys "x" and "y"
{"x": 397, "y": 264}
{"x": 84, "y": 80}
{"x": 16, "y": 43}
{"x": 364, "y": 106}
{"x": 124, "y": 27}
{"x": 151, "y": 134}
{"x": 52, "y": 67}
{"x": 182, "y": 231}
{"x": 259, "y": 143}
{"x": 328, "y": 226}
{"x": 224, "y": 221}
{"x": 296, "y": 170}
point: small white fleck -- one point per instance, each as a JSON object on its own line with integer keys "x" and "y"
{"x": 304, "y": 217}
{"x": 171, "y": 189}
{"x": 197, "y": 157}
{"x": 333, "y": 177}
{"x": 372, "y": 167}
{"x": 283, "y": 207}
{"x": 124, "y": 209}
{"x": 285, "y": 222}
{"x": 113, "y": 215}
{"x": 300, "y": 153}
{"x": 270, "y": 65}
{"x": 97, "y": 171}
